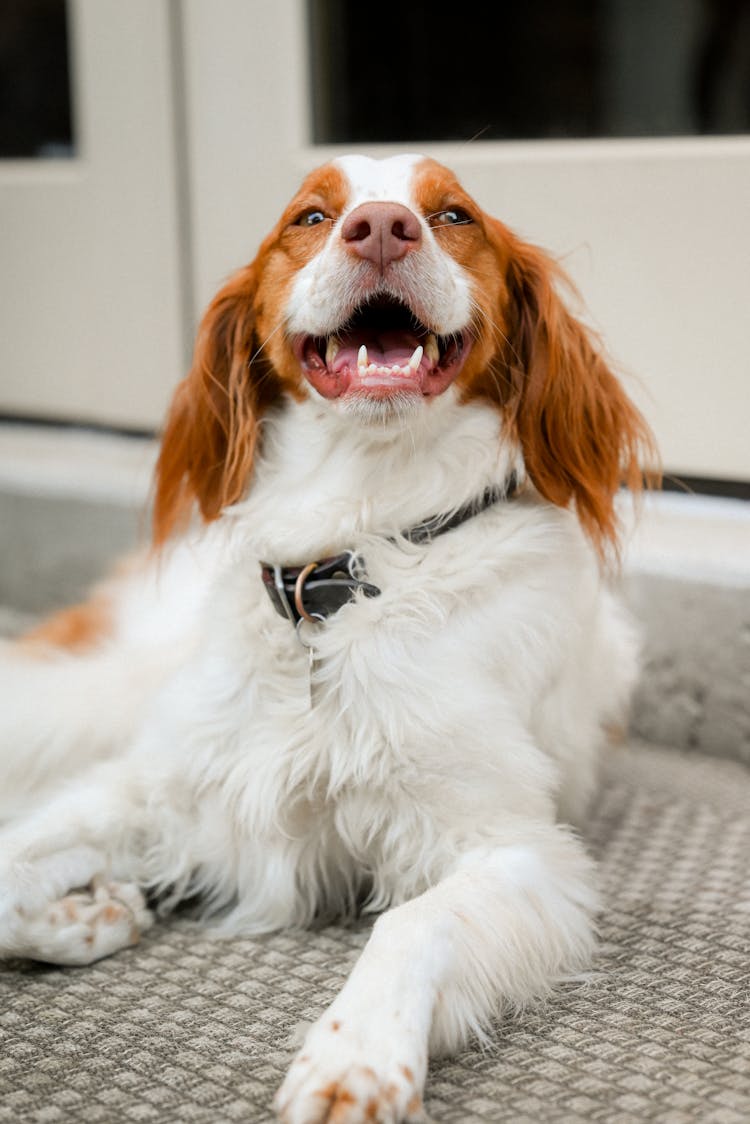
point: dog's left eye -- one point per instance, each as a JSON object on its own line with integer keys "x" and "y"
{"x": 311, "y": 218}
{"x": 454, "y": 216}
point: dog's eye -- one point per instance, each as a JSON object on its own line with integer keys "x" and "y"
{"x": 452, "y": 217}
{"x": 311, "y": 218}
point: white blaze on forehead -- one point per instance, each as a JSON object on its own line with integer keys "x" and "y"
{"x": 389, "y": 180}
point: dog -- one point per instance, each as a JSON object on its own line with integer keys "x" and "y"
{"x": 371, "y": 656}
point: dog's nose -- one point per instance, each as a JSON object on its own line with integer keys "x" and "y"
{"x": 381, "y": 232}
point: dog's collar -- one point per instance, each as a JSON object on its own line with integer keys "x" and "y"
{"x": 317, "y": 590}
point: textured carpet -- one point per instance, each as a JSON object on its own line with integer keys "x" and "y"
{"x": 185, "y": 1030}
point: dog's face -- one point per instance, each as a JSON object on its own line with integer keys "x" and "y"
{"x": 377, "y": 284}
{"x": 383, "y": 287}
{"x": 383, "y": 308}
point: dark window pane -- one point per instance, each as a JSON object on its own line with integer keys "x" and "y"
{"x": 401, "y": 71}
{"x": 35, "y": 99}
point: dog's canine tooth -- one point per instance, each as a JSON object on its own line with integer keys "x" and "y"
{"x": 362, "y": 360}
{"x": 431, "y": 349}
{"x": 416, "y": 359}
{"x": 332, "y": 349}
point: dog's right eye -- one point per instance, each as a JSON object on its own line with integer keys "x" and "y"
{"x": 311, "y": 218}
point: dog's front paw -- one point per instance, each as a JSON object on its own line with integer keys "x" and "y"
{"x": 351, "y": 1072}
{"x": 81, "y": 927}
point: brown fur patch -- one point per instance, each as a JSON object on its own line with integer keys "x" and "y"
{"x": 615, "y": 733}
{"x": 70, "y": 909}
{"x": 241, "y": 365}
{"x": 542, "y": 368}
{"x": 77, "y": 629}
{"x": 415, "y": 1105}
{"x": 339, "y": 1099}
{"x": 83, "y": 627}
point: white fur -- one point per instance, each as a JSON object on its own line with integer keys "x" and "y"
{"x": 454, "y": 725}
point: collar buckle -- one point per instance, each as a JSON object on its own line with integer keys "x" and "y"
{"x": 315, "y": 591}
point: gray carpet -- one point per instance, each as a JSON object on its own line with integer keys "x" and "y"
{"x": 181, "y": 1029}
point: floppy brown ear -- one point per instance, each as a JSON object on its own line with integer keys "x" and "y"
{"x": 211, "y": 432}
{"x": 582, "y": 437}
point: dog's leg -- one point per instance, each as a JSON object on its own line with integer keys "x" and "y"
{"x": 505, "y": 925}
{"x": 58, "y": 902}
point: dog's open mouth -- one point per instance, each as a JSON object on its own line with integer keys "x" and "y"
{"x": 382, "y": 349}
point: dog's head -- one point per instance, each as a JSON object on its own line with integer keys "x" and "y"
{"x": 382, "y": 287}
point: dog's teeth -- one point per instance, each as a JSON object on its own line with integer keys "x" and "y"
{"x": 362, "y": 360}
{"x": 432, "y": 351}
{"x": 416, "y": 359}
{"x": 332, "y": 350}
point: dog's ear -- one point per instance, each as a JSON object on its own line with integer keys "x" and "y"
{"x": 211, "y": 432}
{"x": 581, "y": 436}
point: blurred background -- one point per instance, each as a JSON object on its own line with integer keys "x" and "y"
{"x": 147, "y": 146}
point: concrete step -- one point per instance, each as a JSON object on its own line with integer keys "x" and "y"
{"x": 72, "y": 501}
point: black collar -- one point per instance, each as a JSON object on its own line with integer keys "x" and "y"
{"x": 315, "y": 591}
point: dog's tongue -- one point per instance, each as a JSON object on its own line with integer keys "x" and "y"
{"x": 384, "y": 348}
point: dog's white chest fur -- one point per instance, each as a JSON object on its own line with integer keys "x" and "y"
{"x": 425, "y": 714}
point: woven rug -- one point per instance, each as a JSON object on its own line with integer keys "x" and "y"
{"x": 185, "y": 1030}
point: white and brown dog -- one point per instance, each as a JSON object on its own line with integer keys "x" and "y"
{"x": 371, "y": 657}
